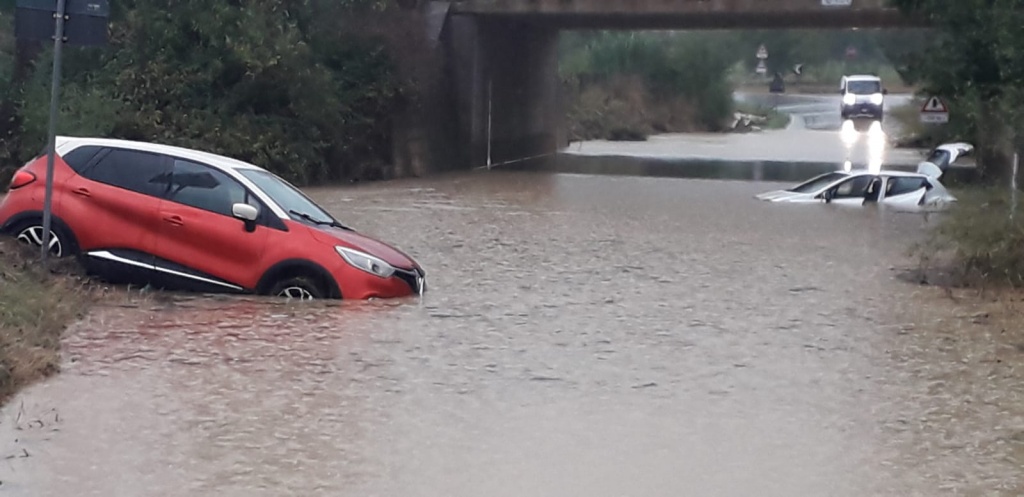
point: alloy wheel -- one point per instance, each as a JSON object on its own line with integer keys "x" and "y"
{"x": 296, "y": 292}
{"x": 33, "y": 235}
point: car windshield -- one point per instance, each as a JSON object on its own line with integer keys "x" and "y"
{"x": 817, "y": 183}
{"x": 939, "y": 157}
{"x": 288, "y": 197}
{"x": 864, "y": 87}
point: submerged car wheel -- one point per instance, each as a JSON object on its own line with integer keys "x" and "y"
{"x": 31, "y": 233}
{"x": 298, "y": 287}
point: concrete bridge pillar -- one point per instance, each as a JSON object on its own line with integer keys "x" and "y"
{"x": 505, "y": 78}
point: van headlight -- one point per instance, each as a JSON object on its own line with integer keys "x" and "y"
{"x": 849, "y": 99}
{"x": 876, "y": 99}
{"x": 365, "y": 262}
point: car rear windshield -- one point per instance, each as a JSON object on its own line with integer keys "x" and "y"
{"x": 817, "y": 183}
{"x": 939, "y": 158}
{"x": 285, "y": 195}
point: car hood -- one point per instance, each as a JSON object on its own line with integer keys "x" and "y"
{"x": 780, "y": 196}
{"x": 355, "y": 240}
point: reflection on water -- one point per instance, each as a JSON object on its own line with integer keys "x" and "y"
{"x": 876, "y": 147}
{"x": 849, "y": 134}
{"x": 584, "y": 336}
{"x": 876, "y": 139}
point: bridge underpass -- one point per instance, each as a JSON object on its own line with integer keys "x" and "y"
{"x": 503, "y": 60}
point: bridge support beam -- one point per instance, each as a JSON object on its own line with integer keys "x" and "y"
{"x": 505, "y": 77}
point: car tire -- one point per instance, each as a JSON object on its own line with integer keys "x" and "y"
{"x": 297, "y": 287}
{"x": 62, "y": 242}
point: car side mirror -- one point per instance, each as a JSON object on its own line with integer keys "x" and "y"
{"x": 828, "y": 195}
{"x": 885, "y": 91}
{"x": 246, "y": 213}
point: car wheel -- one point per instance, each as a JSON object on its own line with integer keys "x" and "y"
{"x": 30, "y": 233}
{"x": 298, "y": 288}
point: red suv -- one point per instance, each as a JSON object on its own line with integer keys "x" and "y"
{"x": 182, "y": 219}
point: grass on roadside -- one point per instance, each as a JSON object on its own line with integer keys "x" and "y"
{"x": 36, "y": 305}
{"x": 976, "y": 243}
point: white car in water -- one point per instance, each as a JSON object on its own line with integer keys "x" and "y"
{"x": 900, "y": 188}
{"x": 944, "y": 156}
{"x": 887, "y": 187}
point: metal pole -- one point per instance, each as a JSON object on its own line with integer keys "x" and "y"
{"x": 58, "y": 43}
{"x": 1013, "y": 185}
{"x": 490, "y": 93}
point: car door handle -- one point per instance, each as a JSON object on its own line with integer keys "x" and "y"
{"x": 82, "y": 191}
{"x": 175, "y": 220}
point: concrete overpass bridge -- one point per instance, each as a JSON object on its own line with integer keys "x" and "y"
{"x": 503, "y": 65}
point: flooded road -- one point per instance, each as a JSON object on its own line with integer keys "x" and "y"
{"x": 816, "y": 134}
{"x": 590, "y": 336}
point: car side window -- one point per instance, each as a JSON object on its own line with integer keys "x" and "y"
{"x": 900, "y": 186}
{"x": 206, "y": 188}
{"x": 140, "y": 172}
{"x": 853, "y": 187}
{"x": 80, "y": 157}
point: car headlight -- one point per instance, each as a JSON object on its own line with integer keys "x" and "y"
{"x": 876, "y": 99}
{"x": 849, "y": 99}
{"x": 365, "y": 262}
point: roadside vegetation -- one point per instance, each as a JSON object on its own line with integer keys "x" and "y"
{"x": 629, "y": 85}
{"x": 305, "y": 89}
{"x": 36, "y": 306}
{"x": 977, "y": 244}
{"x": 974, "y": 63}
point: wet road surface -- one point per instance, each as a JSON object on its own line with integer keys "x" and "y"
{"x": 816, "y": 135}
{"x": 583, "y": 336}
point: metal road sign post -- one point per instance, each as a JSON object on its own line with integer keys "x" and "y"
{"x": 87, "y": 23}
{"x": 51, "y": 136}
{"x": 1013, "y": 185}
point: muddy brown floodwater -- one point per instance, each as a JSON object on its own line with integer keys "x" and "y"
{"x": 583, "y": 336}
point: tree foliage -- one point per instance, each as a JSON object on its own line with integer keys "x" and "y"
{"x": 670, "y": 74}
{"x": 273, "y": 82}
{"x": 976, "y": 60}
{"x": 611, "y": 73}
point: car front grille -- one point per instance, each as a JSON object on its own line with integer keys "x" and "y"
{"x": 409, "y": 277}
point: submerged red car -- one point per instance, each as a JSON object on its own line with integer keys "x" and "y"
{"x": 181, "y": 219}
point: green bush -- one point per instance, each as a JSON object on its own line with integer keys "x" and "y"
{"x": 977, "y": 242}
{"x": 276, "y": 85}
{"x": 629, "y": 85}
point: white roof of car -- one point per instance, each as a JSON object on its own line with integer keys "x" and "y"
{"x": 862, "y": 77}
{"x": 65, "y": 143}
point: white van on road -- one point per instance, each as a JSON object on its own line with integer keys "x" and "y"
{"x": 862, "y": 96}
